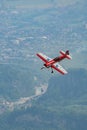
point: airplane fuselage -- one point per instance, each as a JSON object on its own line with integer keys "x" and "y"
{"x": 57, "y": 59}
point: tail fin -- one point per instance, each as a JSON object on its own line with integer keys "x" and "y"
{"x": 66, "y": 54}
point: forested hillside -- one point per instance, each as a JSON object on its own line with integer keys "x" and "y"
{"x": 63, "y": 107}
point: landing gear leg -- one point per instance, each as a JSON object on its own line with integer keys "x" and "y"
{"x": 43, "y": 67}
{"x": 52, "y": 71}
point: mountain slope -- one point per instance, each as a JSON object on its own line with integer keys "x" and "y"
{"x": 63, "y": 107}
{"x": 67, "y": 88}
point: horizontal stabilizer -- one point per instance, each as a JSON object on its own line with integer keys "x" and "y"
{"x": 66, "y": 54}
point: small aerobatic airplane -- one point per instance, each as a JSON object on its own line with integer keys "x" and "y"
{"x": 52, "y": 63}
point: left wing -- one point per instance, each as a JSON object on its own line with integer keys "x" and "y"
{"x": 59, "y": 68}
{"x": 43, "y": 57}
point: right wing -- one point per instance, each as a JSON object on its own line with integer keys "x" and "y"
{"x": 59, "y": 68}
{"x": 43, "y": 57}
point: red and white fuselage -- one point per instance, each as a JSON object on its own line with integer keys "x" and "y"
{"x": 53, "y": 62}
{"x": 59, "y": 58}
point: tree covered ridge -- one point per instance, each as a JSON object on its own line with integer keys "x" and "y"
{"x": 63, "y": 107}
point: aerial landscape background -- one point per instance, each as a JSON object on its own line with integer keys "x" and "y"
{"x": 34, "y": 99}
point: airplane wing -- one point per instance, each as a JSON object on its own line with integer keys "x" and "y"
{"x": 43, "y": 57}
{"x": 59, "y": 68}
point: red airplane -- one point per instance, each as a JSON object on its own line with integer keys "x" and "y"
{"x": 52, "y": 63}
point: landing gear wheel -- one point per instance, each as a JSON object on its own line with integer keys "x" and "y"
{"x": 52, "y": 71}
